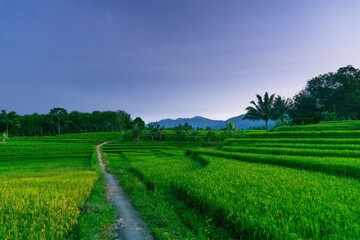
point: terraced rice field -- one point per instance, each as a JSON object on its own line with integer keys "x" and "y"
{"x": 291, "y": 183}
{"x": 286, "y": 184}
{"x": 45, "y": 184}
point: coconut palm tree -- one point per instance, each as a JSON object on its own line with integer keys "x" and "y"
{"x": 262, "y": 110}
{"x": 281, "y": 107}
{"x": 229, "y": 131}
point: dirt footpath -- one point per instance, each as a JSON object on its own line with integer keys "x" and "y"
{"x": 129, "y": 225}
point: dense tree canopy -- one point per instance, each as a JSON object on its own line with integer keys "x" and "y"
{"x": 59, "y": 121}
{"x": 137, "y": 128}
{"x": 336, "y": 94}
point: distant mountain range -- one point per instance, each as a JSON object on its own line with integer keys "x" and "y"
{"x": 201, "y": 122}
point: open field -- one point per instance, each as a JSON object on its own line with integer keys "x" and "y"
{"x": 46, "y": 183}
{"x": 296, "y": 184}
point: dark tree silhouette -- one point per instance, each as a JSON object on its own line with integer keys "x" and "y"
{"x": 331, "y": 94}
{"x": 59, "y": 117}
{"x": 262, "y": 110}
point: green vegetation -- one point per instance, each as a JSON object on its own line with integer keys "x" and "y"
{"x": 330, "y": 96}
{"x": 262, "y": 110}
{"x": 96, "y": 218}
{"x": 267, "y": 202}
{"x": 288, "y": 183}
{"x": 292, "y": 182}
{"x": 146, "y": 170}
{"x": 59, "y": 121}
{"x": 51, "y": 188}
{"x": 327, "y": 97}
{"x": 4, "y": 137}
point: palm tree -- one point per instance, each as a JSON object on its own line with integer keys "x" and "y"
{"x": 281, "y": 107}
{"x": 230, "y": 129}
{"x": 262, "y": 110}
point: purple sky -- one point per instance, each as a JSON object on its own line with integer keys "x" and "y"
{"x": 159, "y": 59}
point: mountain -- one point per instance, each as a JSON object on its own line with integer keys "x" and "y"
{"x": 196, "y": 122}
{"x": 246, "y": 124}
{"x": 201, "y": 122}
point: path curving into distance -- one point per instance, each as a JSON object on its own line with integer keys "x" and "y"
{"x": 130, "y": 226}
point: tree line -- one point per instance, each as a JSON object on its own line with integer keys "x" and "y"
{"x": 59, "y": 121}
{"x": 330, "y": 96}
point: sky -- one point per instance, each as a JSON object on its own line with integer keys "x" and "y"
{"x": 168, "y": 58}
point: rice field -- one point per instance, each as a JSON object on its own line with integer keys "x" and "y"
{"x": 43, "y": 184}
{"x": 298, "y": 182}
{"x": 295, "y": 184}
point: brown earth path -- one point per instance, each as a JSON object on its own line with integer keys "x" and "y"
{"x": 129, "y": 225}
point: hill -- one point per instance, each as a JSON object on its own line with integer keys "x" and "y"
{"x": 201, "y": 122}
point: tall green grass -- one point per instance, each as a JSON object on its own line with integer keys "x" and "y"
{"x": 286, "y": 150}
{"x": 45, "y": 184}
{"x": 349, "y": 167}
{"x": 258, "y": 201}
{"x": 146, "y": 175}
{"x": 247, "y": 200}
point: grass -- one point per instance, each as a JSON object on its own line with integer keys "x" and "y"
{"x": 53, "y": 189}
{"x": 166, "y": 215}
{"x": 296, "y": 184}
{"x": 300, "y": 183}
{"x": 258, "y": 201}
{"x": 96, "y": 220}
{"x": 310, "y": 151}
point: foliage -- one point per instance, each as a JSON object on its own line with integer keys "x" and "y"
{"x": 281, "y": 107}
{"x": 262, "y": 110}
{"x": 156, "y": 131}
{"x": 229, "y": 131}
{"x": 58, "y": 121}
{"x": 96, "y": 220}
{"x": 338, "y": 163}
{"x": 324, "y": 126}
{"x": 59, "y": 118}
{"x": 150, "y": 192}
{"x": 44, "y": 200}
{"x": 272, "y": 199}
{"x": 4, "y": 137}
{"x": 257, "y": 201}
{"x": 331, "y": 94}
{"x": 284, "y": 122}
{"x": 45, "y": 183}
{"x": 210, "y": 135}
{"x": 9, "y": 122}
{"x": 195, "y": 134}
{"x": 183, "y": 131}
{"x": 137, "y": 128}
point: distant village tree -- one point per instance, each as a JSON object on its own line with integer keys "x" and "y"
{"x": 156, "y": 131}
{"x": 137, "y": 128}
{"x": 59, "y": 118}
{"x": 183, "y": 131}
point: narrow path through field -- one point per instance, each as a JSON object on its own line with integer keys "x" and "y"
{"x": 129, "y": 226}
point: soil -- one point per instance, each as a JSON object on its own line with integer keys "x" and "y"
{"x": 129, "y": 225}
